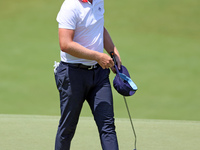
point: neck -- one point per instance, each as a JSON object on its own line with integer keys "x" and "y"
{"x": 90, "y": 1}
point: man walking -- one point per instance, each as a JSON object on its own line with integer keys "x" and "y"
{"x": 83, "y": 72}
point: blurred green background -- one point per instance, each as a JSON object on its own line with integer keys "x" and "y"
{"x": 159, "y": 43}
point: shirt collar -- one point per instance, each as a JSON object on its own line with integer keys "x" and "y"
{"x": 84, "y": 1}
{"x": 87, "y": 1}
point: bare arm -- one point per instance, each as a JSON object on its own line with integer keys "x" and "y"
{"x": 69, "y": 46}
{"x": 110, "y": 47}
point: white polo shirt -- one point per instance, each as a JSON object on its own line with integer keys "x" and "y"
{"x": 88, "y": 22}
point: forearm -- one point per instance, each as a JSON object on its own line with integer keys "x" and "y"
{"x": 79, "y": 51}
{"x": 110, "y": 47}
{"x": 108, "y": 43}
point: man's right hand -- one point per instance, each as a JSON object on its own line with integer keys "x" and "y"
{"x": 105, "y": 61}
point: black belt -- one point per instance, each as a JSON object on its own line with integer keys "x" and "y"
{"x": 81, "y": 66}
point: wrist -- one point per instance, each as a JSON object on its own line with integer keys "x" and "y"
{"x": 97, "y": 56}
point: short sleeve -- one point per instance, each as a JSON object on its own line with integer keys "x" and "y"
{"x": 67, "y": 17}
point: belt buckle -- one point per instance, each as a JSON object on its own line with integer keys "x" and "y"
{"x": 92, "y": 67}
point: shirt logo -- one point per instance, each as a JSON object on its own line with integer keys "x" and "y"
{"x": 99, "y": 8}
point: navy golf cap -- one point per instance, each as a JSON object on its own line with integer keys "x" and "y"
{"x": 123, "y": 83}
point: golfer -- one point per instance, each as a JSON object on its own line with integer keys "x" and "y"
{"x": 83, "y": 72}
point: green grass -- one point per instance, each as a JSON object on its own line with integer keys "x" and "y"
{"x": 158, "y": 41}
{"x": 22, "y": 132}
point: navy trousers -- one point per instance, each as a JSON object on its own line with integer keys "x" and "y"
{"x": 76, "y": 85}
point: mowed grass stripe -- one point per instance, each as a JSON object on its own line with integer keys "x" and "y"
{"x": 22, "y": 132}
